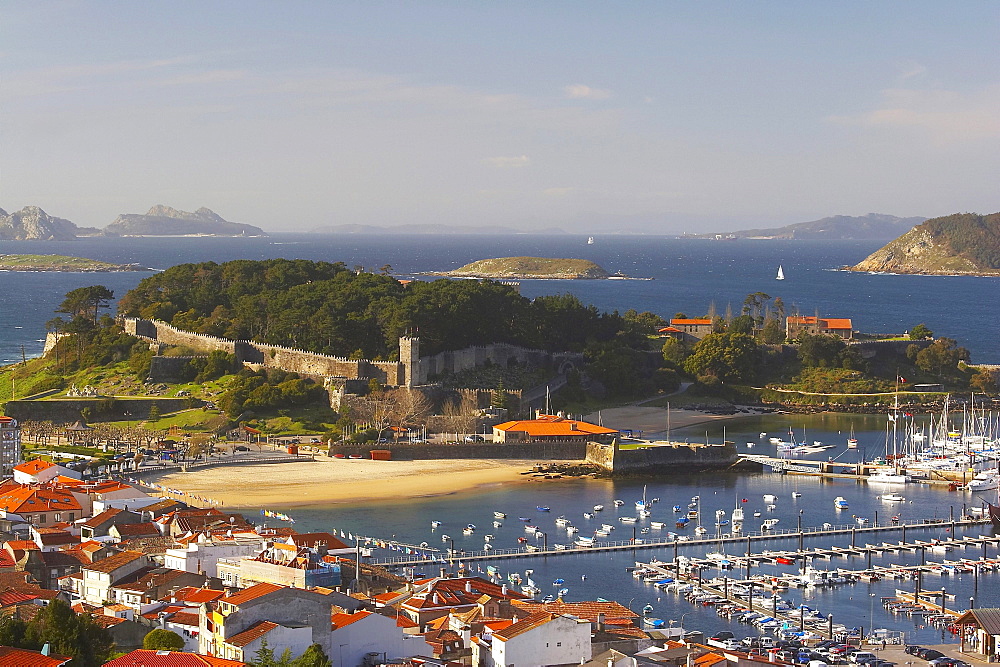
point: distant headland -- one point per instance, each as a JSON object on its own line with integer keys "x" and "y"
{"x": 61, "y": 263}
{"x": 525, "y": 268}
{"x": 33, "y": 224}
{"x": 959, "y": 244}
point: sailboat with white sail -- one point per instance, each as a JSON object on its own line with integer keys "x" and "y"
{"x": 781, "y": 273}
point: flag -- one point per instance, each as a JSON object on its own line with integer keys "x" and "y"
{"x": 900, "y": 378}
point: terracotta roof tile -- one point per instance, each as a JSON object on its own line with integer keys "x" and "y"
{"x": 699, "y": 321}
{"x": 25, "y": 658}
{"x": 554, "y": 426}
{"x": 252, "y": 593}
{"x": 34, "y": 466}
{"x": 112, "y": 563}
{"x": 341, "y": 620}
{"x": 255, "y": 631}
{"x": 192, "y": 595}
{"x": 524, "y": 625}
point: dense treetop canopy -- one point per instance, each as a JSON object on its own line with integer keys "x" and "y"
{"x": 325, "y": 307}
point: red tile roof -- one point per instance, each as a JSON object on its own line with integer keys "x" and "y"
{"x": 27, "y": 499}
{"x": 340, "y": 620}
{"x": 24, "y": 658}
{"x": 312, "y": 539}
{"x": 192, "y": 595}
{"x": 131, "y": 530}
{"x": 255, "y": 631}
{"x": 550, "y": 425}
{"x": 252, "y": 593}
{"x": 524, "y": 625}
{"x": 34, "y": 466}
{"x": 825, "y": 322}
{"x": 700, "y": 321}
{"x": 112, "y": 563}
{"x": 146, "y": 658}
{"x": 185, "y": 618}
{"x": 588, "y": 610}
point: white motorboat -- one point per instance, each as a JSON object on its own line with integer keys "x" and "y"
{"x": 499, "y": 515}
{"x": 987, "y": 480}
{"x": 598, "y": 508}
{"x": 435, "y": 524}
{"x": 770, "y": 498}
{"x": 769, "y": 524}
{"x": 572, "y": 529}
{"x": 887, "y": 477}
{"x": 840, "y": 504}
{"x": 628, "y": 519}
{"x": 657, "y": 524}
{"x": 562, "y": 521}
{"x": 619, "y": 503}
{"x": 584, "y": 542}
{"x": 892, "y": 497}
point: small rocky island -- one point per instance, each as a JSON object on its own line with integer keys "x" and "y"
{"x": 61, "y": 263}
{"x": 166, "y": 221}
{"x": 526, "y": 268}
{"x": 959, "y": 244}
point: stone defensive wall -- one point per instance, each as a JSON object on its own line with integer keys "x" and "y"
{"x": 660, "y": 458}
{"x": 269, "y": 356}
{"x": 412, "y": 369}
{"x": 537, "y": 451}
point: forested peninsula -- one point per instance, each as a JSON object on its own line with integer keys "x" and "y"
{"x": 959, "y": 244}
{"x": 526, "y": 268}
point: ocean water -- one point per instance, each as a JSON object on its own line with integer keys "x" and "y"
{"x": 689, "y": 275}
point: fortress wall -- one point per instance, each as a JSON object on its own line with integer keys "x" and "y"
{"x": 664, "y": 458}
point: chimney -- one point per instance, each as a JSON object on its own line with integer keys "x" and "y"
{"x": 572, "y": 426}
{"x": 436, "y": 599}
{"x": 468, "y": 586}
{"x": 444, "y": 573}
{"x": 600, "y": 622}
{"x": 503, "y": 590}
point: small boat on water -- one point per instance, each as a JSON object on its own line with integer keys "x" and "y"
{"x": 499, "y": 515}
{"x": 770, "y": 498}
{"x": 700, "y": 530}
{"x": 488, "y": 537}
{"x": 572, "y": 529}
{"x": 543, "y": 508}
{"x": 468, "y": 530}
{"x": 497, "y": 524}
{"x": 524, "y": 518}
{"x": 607, "y": 526}
{"x": 628, "y": 519}
{"x": 678, "y": 508}
{"x": 435, "y": 524}
{"x": 756, "y": 514}
{"x": 619, "y": 503}
{"x": 559, "y": 582}
{"x": 530, "y": 529}
{"x": 562, "y": 521}
{"x": 892, "y": 497}
{"x": 781, "y": 273}
{"x": 840, "y": 503}
{"x": 682, "y": 522}
{"x": 584, "y": 542}
{"x": 657, "y": 524}
{"x": 796, "y": 494}
{"x": 598, "y": 508}
{"x": 588, "y": 515}
{"x": 769, "y": 524}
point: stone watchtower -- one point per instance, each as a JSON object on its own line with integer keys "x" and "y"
{"x": 409, "y": 356}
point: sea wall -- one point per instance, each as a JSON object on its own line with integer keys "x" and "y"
{"x": 548, "y": 451}
{"x": 108, "y": 408}
{"x": 660, "y": 458}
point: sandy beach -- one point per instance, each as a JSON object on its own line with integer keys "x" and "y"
{"x": 329, "y": 481}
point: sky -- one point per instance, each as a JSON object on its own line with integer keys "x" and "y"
{"x": 663, "y": 117}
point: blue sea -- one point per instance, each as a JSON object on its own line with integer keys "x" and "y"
{"x": 689, "y": 276}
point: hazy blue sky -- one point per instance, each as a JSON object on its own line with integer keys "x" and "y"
{"x": 676, "y": 116}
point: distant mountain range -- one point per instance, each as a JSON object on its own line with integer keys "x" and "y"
{"x": 871, "y": 227}
{"x": 963, "y": 243}
{"x": 429, "y": 229}
{"x": 33, "y": 224}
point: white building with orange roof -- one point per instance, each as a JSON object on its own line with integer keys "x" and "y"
{"x": 442, "y": 596}
{"x": 796, "y": 325}
{"x": 551, "y": 428}
{"x": 40, "y": 506}
{"x": 203, "y": 553}
{"x": 37, "y": 471}
{"x": 356, "y": 635}
{"x": 540, "y": 639}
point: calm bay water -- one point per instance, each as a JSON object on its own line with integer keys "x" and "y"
{"x": 689, "y": 275}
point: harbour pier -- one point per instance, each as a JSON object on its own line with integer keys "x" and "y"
{"x": 841, "y": 470}
{"x": 721, "y": 540}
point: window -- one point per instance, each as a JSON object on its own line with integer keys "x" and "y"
{"x": 58, "y": 517}
{"x": 558, "y": 643}
{"x": 41, "y": 518}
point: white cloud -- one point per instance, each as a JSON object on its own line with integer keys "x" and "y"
{"x": 943, "y": 116}
{"x": 508, "y": 162}
{"x": 579, "y": 91}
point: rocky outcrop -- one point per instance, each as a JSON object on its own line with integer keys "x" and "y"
{"x": 959, "y": 244}
{"x": 166, "y": 221}
{"x": 33, "y": 224}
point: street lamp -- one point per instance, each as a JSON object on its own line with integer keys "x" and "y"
{"x": 871, "y": 616}
{"x": 800, "y": 529}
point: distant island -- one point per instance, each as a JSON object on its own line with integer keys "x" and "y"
{"x": 959, "y": 244}
{"x": 166, "y": 221}
{"x": 60, "y": 263}
{"x": 33, "y": 224}
{"x": 518, "y": 268}
{"x": 871, "y": 227}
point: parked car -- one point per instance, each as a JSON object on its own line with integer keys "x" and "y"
{"x": 241, "y": 448}
{"x": 929, "y": 654}
{"x": 862, "y": 657}
{"x": 912, "y": 649}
